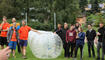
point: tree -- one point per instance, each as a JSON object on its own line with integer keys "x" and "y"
{"x": 41, "y": 10}
{"x": 95, "y": 6}
{"x": 83, "y": 4}
{"x": 5, "y": 8}
{"x": 68, "y": 12}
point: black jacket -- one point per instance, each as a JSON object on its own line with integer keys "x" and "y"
{"x": 103, "y": 41}
{"x": 91, "y": 35}
{"x": 101, "y": 31}
{"x": 59, "y": 32}
{"x": 64, "y": 35}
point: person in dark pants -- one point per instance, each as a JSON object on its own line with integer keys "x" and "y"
{"x": 79, "y": 42}
{"x": 100, "y": 34}
{"x": 90, "y": 34}
{"x": 64, "y": 30}
{"x": 70, "y": 39}
{"x": 4, "y": 27}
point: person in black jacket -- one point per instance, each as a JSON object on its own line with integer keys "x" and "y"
{"x": 100, "y": 34}
{"x": 64, "y": 30}
{"x": 59, "y": 30}
{"x": 91, "y": 34}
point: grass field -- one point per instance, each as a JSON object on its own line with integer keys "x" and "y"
{"x": 30, "y": 56}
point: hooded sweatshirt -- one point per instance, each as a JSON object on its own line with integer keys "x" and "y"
{"x": 71, "y": 36}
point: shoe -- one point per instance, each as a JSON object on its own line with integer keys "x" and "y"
{"x": 102, "y": 58}
{"x": 93, "y": 56}
{"x": 89, "y": 56}
{"x": 81, "y": 59}
{"x": 98, "y": 58}
{"x": 74, "y": 58}
{"x": 14, "y": 56}
{"x": 24, "y": 57}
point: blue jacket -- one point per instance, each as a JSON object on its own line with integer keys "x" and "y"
{"x": 10, "y": 33}
{"x": 80, "y": 40}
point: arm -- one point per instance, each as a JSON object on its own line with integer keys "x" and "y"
{"x": 5, "y": 29}
{"x": 98, "y": 33}
{"x": 66, "y": 37}
{"x": 18, "y": 27}
{"x": 94, "y": 33}
{"x": 34, "y": 30}
{"x": 8, "y": 35}
{"x": 1, "y": 25}
{"x": 75, "y": 35}
{"x": 82, "y": 36}
{"x": 57, "y": 31}
{"x": 86, "y": 33}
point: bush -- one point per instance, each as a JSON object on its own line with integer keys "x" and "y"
{"x": 96, "y": 19}
{"x": 41, "y": 26}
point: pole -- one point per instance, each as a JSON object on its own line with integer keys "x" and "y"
{"x": 26, "y": 18}
{"x": 54, "y": 20}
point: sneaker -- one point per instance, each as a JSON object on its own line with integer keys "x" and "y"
{"x": 98, "y": 58}
{"x": 102, "y": 58}
{"x": 14, "y": 56}
{"x": 74, "y": 58}
{"x": 93, "y": 56}
{"x": 24, "y": 57}
{"x": 89, "y": 56}
{"x": 81, "y": 59}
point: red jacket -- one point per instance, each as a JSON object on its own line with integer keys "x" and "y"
{"x": 71, "y": 36}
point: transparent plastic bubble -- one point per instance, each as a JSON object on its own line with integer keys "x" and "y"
{"x": 45, "y": 45}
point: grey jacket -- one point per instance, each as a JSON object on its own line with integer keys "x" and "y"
{"x": 10, "y": 33}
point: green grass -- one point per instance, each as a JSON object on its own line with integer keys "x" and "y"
{"x": 30, "y": 56}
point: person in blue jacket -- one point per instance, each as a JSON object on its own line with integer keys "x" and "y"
{"x": 79, "y": 42}
{"x": 17, "y": 28}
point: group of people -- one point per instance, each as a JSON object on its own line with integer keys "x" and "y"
{"x": 74, "y": 38}
{"x": 13, "y": 35}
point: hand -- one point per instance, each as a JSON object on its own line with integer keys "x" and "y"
{"x": 98, "y": 33}
{"x": 2, "y": 23}
{"x": 4, "y": 53}
{"x": 95, "y": 41}
{"x": 38, "y": 32}
{"x": 77, "y": 36}
{"x": 54, "y": 32}
{"x": 67, "y": 41}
